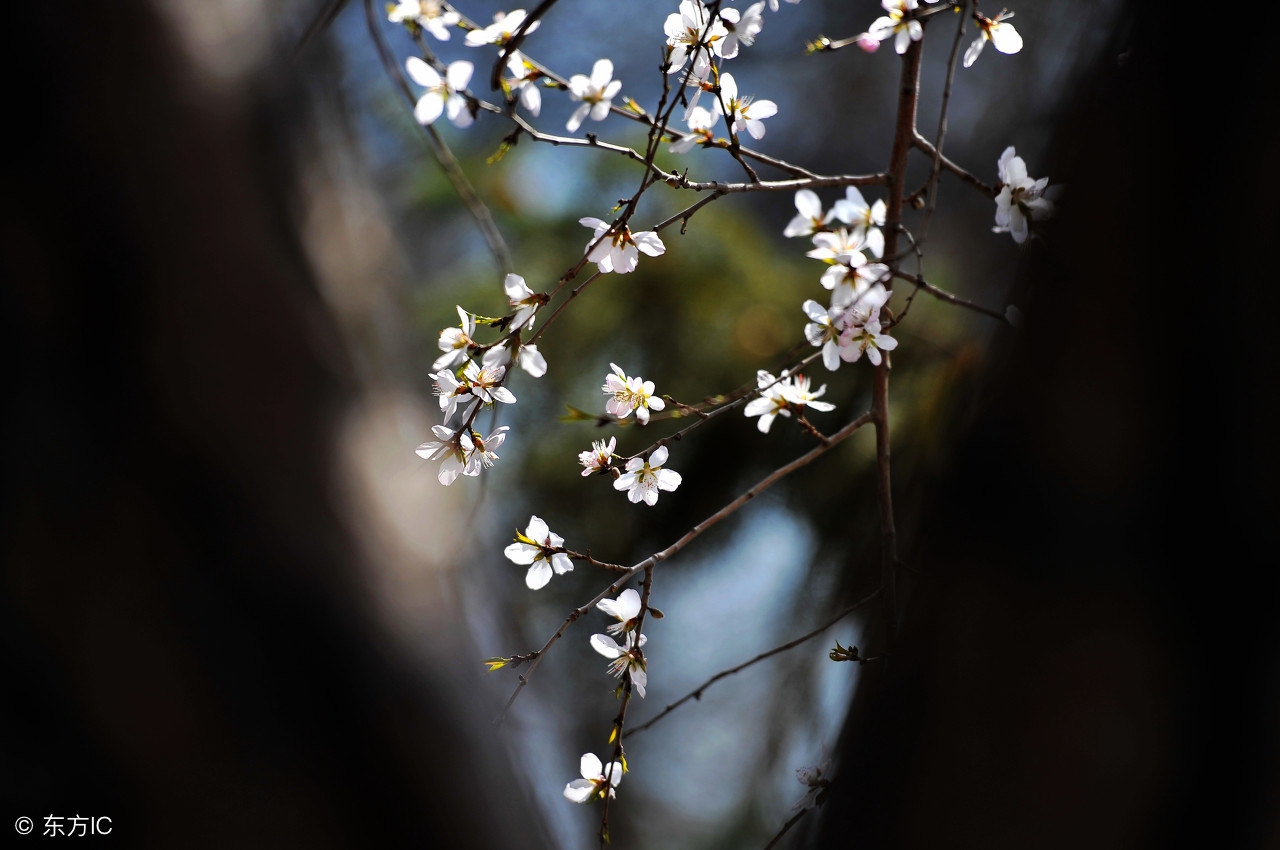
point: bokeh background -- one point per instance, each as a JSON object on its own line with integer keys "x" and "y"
{"x": 240, "y": 611}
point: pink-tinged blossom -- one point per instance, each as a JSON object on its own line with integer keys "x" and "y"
{"x": 620, "y": 250}
{"x": 479, "y": 450}
{"x": 486, "y": 383}
{"x": 628, "y": 394}
{"x": 599, "y": 458}
{"x": 625, "y": 609}
{"x": 536, "y": 547}
{"x": 811, "y": 218}
{"x": 1021, "y": 199}
{"x": 857, "y": 339}
{"x": 454, "y": 342}
{"x": 626, "y": 658}
{"x": 867, "y": 42}
{"x": 444, "y": 94}
{"x": 431, "y": 15}
{"x": 464, "y": 452}
{"x": 1001, "y": 35}
{"x": 897, "y": 24}
{"x": 645, "y": 477}
{"x": 596, "y": 93}
{"x": 499, "y": 32}
{"x": 596, "y": 781}
{"x": 780, "y": 396}
{"x": 743, "y": 113}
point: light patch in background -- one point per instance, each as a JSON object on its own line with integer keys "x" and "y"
{"x": 225, "y": 39}
{"x": 720, "y": 611}
{"x": 545, "y": 184}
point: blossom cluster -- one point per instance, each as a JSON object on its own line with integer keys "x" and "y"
{"x": 463, "y": 386}
{"x": 625, "y": 659}
{"x": 850, "y": 325}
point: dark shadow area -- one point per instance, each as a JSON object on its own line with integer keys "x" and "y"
{"x": 1089, "y": 655}
{"x": 188, "y": 644}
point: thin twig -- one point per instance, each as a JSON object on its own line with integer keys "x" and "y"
{"x": 943, "y": 295}
{"x": 688, "y": 537}
{"x": 517, "y": 39}
{"x": 795, "y": 819}
{"x": 925, "y": 145}
{"x": 620, "y": 720}
{"x": 696, "y": 693}
{"x": 942, "y": 127}
{"x": 443, "y": 155}
{"x": 318, "y": 24}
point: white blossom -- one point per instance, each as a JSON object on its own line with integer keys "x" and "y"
{"x": 904, "y": 30}
{"x": 688, "y": 34}
{"x": 535, "y": 547}
{"x": 445, "y": 447}
{"x": 839, "y": 246}
{"x": 455, "y": 341}
{"x": 1003, "y": 36}
{"x": 619, "y": 252}
{"x": 596, "y": 780}
{"x": 811, "y": 218}
{"x": 444, "y": 94}
{"x": 486, "y": 383}
{"x": 528, "y": 358}
{"x": 645, "y": 477}
{"x": 464, "y": 452}
{"x": 479, "y": 451}
{"x": 741, "y": 28}
{"x": 453, "y": 392}
{"x": 866, "y": 220}
{"x": 851, "y": 284}
{"x": 1021, "y": 199}
{"x": 599, "y": 458}
{"x": 628, "y": 394}
{"x": 816, "y": 779}
{"x": 625, "y": 609}
{"x": 596, "y": 93}
{"x": 523, "y": 300}
{"x": 626, "y": 658}
{"x": 431, "y": 15}
{"x": 700, "y": 122}
{"x": 499, "y": 32}
{"x": 782, "y": 395}
{"x": 524, "y": 82}
{"x": 743, "y": 113}
{"x": 823, "y": 333}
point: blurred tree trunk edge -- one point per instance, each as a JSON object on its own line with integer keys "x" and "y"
{"x": 1088, "y": 649}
